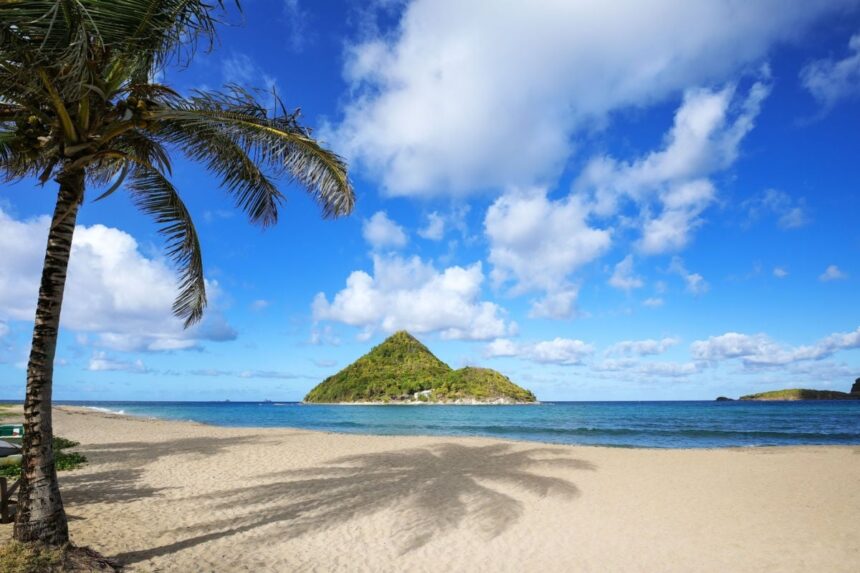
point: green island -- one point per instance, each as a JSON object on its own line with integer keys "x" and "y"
{"x": 791, "y": 394}
{"x": 801, "y": 394}
{"x": 401, "y": 370}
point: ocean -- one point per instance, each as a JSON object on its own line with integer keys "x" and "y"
{"x": 621, "y": 424}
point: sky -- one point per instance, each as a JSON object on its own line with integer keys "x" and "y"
{"x": 603, "y": 200}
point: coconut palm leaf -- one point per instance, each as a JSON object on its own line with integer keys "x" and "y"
{"x": 235, "y": 125}
{"x": 153, "y": 194}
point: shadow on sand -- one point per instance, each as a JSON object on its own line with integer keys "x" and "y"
{"x": 431, "y": 490}
{"x": 123, "y": 484}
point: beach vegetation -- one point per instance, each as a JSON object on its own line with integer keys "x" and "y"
{"x": 63, "y": 460}
{"x": 83, "y": 113}
{"x": 35, "y": 557}
{"x": 18, "y": 557}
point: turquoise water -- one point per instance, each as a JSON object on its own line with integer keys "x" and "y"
{"x": 630, "y": 424}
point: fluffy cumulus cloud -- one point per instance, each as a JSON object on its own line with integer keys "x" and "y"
{"x": 537, "y": 242}
{"x": 564, "y": 351}
{"x": 411, "y": 294}
{"x": 113, "y": 291}
{"x": 432, "y": 107}
{"x": 101, "y": 362}
{"x": 623, "y": 276}
{"x": 627, "y": 367}
{"x": 434, "y": 230}
{"x": 382, "y": 233}
{"x": 696, "y": 283}
{"x": 671, "y": 186}
{"x": 759, "y": 350}
{"x": 832, "y": 273}
{"x": 831, "y": 81}
{"x": 790, "y": 213}
{"x": 645, "y": 347}
{"x": 573, "y": 352}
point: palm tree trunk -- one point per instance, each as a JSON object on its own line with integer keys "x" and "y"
{"x": 40, "y": 515}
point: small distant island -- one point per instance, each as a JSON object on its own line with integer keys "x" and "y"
{"x": 401, "y": 370}
{"x": 802, "y": 394}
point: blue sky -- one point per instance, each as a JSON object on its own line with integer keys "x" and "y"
{"x": 599, "y": 199}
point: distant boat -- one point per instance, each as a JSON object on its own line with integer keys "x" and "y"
{"x": 267, "y": 401}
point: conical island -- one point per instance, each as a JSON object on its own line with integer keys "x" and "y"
{"x": 402, "y": 370}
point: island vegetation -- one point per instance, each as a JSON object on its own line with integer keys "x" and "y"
{"x": 801, "y": 394}
{"x": 402, "y": 370}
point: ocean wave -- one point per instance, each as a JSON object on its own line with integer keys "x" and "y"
{"x": 686, "y": 433}
{"x": 105, "y": 410}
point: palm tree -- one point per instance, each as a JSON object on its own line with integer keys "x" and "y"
{"x": 79, "y": 105}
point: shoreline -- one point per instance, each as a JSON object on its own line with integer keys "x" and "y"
{"x": 149, "y": 418}
{"x": 96, "y": 410}
{"x": 184, "y": 496}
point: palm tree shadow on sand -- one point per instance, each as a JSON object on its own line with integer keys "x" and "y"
{"x": 431, "y": 490}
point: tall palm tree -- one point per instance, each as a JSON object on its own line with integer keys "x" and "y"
{"x": 79, "y": 106}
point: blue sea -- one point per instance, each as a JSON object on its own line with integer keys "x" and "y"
{"x": 622, "y": 424}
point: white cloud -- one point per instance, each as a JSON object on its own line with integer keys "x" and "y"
{"x": 832, "y": 273}
{"x": 435, "y": 228}
{"x": 696, "y": 283}
{"x": 790, "y": 213}
{"x": 260, "y": 305}
{"x": 112, "y": 289}
{"x": 247, "y": 374}
{"x": 410, "y": 294}
{"x": 324, "y": 336}
{"x": 381, "y": 232}
{"x": 564, "y": 351}
{"x": 668, "y": 369}
{"x": 623, "y": 277}
{"x": 537, "y": 243}
{"x": 558, "y": 303}
{"x": 449, "y": 103}
{"x": 560, "y": 351}
{"x": 241, "y": 69}
{"x": 780, "y": 272}
{"x": 4, "y": 329}
{"x": 705, "y": 138}
{"x": 648, "y": 369}
{"x": 759, "y": 350}
{"x": 831, "y": 81}
{"x": 100, "y": 362}
{"x": 645, "y": 347}
{"x": 299, "y": 30}
{"x": 653, "y": 302}
{"x": 270, "y": 374}
{"x": 501, "y": 347}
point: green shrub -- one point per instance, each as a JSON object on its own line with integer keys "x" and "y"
{"x": 29, "y": 558}
{"x": 63, "y": 460}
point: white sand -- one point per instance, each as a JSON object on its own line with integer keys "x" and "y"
{"x": 171, "y": 496}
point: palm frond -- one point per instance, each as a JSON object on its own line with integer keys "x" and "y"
{"x": 132, "y": 38}
{"x": 156, "y": 196}
{"x": 252, "y": 189}
{"x": 279, "y": 143}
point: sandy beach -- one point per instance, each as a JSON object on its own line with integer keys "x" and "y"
{"x": 176, "y": 496}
